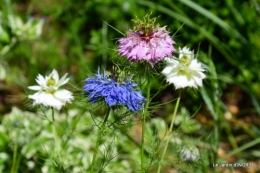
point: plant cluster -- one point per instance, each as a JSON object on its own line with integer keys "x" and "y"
{"x": 109, "y": 121}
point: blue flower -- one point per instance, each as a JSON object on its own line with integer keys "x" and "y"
{"x": 101, "y": 87}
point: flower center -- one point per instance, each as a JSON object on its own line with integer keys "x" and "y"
{"x": 146, "y": 27}
{"x": 146, "y": 36}
{"x": 185, "y": 60}
{"x": 51, "y": 90}
{"x": 184, "y": 70}
{"x": 51, "y": 82}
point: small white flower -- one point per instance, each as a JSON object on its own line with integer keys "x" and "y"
{"x": 184, "y": 71}
{"x": 49, "y": 93}
{"x": 190, "y": 153}
{"x": 29, "y": 30}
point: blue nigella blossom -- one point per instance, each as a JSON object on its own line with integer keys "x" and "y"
{"x": 101, "y": 87}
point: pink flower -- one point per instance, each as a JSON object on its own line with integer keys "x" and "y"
{"x": 152, "y": 45}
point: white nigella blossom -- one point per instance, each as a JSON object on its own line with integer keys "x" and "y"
{"x": 48, "y": 92}
{"x": 29, "y": 30}
{"x": 190, "y": 153}
{"x": 184, "y": 71}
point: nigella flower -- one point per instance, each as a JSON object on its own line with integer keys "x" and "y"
{"x": 190, "y": 153}
{"x": 29, "y": 30}
{"x": 101, "y": 87}
{"x": 146, "y": 42}
{"x": 49, "y": 92}
{"x": 185, "y": 71}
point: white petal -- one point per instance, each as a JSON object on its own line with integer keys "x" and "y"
{"x": 167, "y": 70}
{"x": 39, "y": 27}
{"x": 40, "y": 80}
{"x": 49, "y": 100}
{"x": 63, "y": 95}
{"x": 46, "y": 99}
{"x": 185, "y": 51}
{"x": 36, "y": 87}
{"x": 62, "y": 81}
{"x": 54, "y": 74}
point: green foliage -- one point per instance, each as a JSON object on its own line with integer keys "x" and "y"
{"x": 36, "y": 142}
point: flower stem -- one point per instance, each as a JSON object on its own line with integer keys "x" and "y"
{"x": 143, "y": 122}
{"x": 170, "y": 130}
{"x": 99, "y": 140}
{"x": 14, "y": 165}
{"x": 72, "y": 131}
{"x": 56, "y": 139}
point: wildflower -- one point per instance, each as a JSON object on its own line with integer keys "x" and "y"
{"x": 190, "y": 153}
{"x": 101, "y": 87}
{"x": 29, "y": 30}
{"x": 146, "y": 42}
{"x": 185, "y": 71}
{"x": 48, "y": 92}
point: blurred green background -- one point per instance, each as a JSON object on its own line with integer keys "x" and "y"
{"x": 77, "y": 39}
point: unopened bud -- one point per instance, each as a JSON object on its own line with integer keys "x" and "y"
{"x": 190, "y": 153}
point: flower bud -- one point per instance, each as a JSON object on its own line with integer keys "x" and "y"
{"x": 190, "y": 153}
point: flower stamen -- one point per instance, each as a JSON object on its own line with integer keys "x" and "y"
{"x": 51, "y": 82}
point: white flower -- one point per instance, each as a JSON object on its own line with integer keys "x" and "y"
{"x": 29, "y": 30}
{"x": 185, "y": 71}
{"x": 190, "y": 153}
{"x": 49, "y": 93}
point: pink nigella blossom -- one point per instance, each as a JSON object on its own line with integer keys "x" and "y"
{"x": 151, "y": 44}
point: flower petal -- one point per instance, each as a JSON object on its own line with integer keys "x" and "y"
{"x": 36, "y": 88}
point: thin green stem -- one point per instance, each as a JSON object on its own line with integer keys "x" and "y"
{"x": 99, "y": 140}
{"x": 216, "y": 140}
{"x": 170, "y": 131}
{"x": 18, "y": 159}
{"x": 72, "y": 131}
{"x": 129, "y": 138}
{"x": 14, "y": 165}
{"x": 217, "y": 126}
{"x": 56, "y": 139}
{"x": 143, "y": 123}
{"x": 52, "y": 115}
